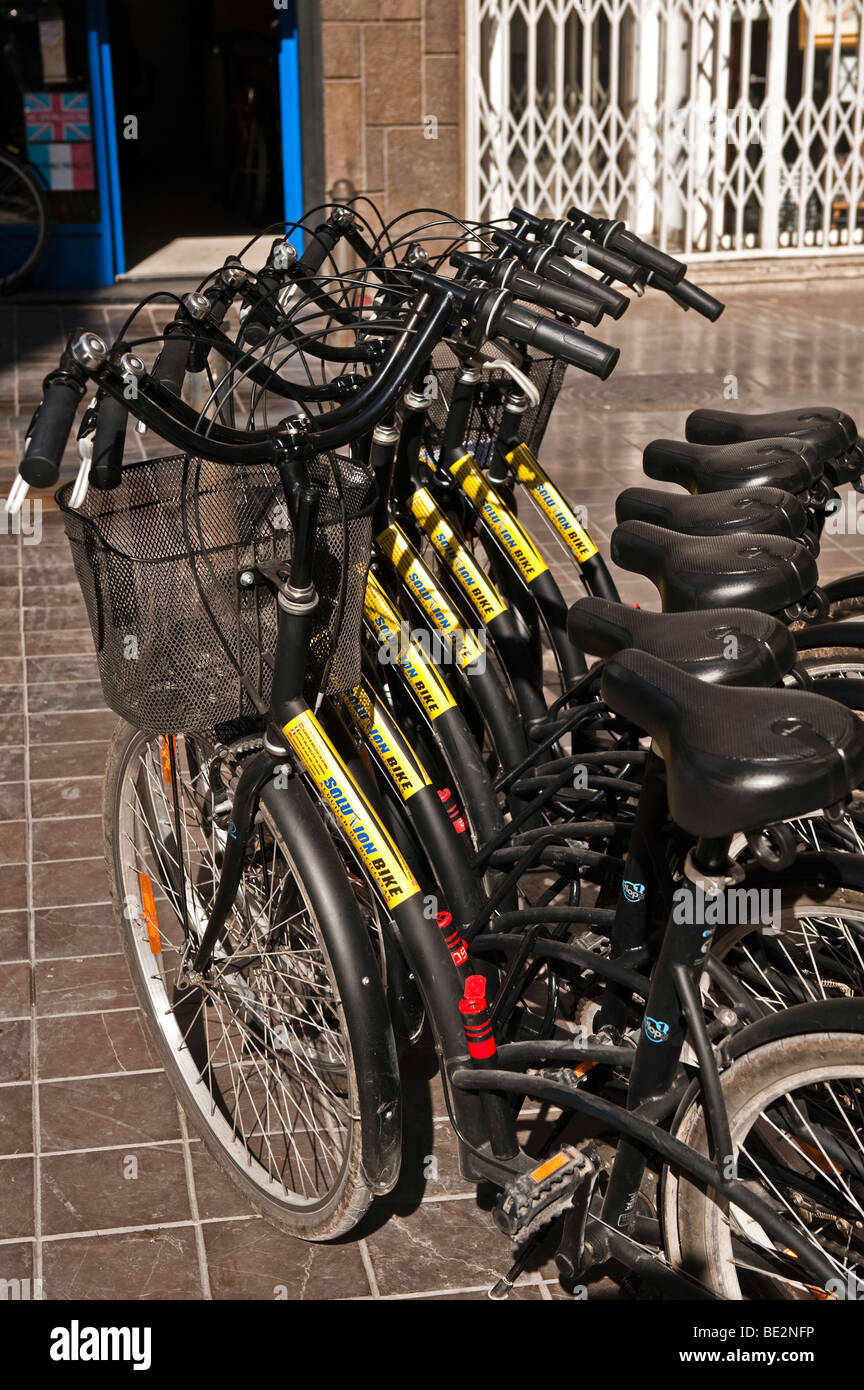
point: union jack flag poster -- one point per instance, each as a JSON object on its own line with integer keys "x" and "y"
{"x": 57, "y": 116}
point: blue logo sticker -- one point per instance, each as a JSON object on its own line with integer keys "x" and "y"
{"x": 633, "y": 892}
{"x": 655, "y": 1029}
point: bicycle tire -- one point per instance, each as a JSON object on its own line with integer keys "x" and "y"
{"x": 17, "y": 169}
{"x": 331, "y": 944}
{"x": 697, "y": 1223}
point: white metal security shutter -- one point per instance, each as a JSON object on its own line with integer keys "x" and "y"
{"x": 716, "y": 127}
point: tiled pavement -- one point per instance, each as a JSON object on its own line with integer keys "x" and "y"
{"x": 102, "y": 1191}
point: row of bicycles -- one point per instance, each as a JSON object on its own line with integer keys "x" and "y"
{"x": 375, "y": 775}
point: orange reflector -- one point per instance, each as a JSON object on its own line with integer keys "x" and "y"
{"x": 556, "y": 1161}
{"x": 166, "y": 759}
{"x": 148, "y": 911}
{"x": 816, "y": 1157}
{"x": 584, "y": 1067}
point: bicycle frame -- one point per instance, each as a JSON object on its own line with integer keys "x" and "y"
{"x": 299, "y": 752}
{"x": 482, "y": 1119}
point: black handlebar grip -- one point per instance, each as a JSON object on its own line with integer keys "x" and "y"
{"x": 689, "y": 296}
{"x": 321, "y": 243}
{"x": 171, "y": 364}
{"x": 109, "y": 441}
{"x": 40, "y": 465}
{"x": 524, "y": 284}
{"x": 581, "y": 248}
{"x": 616, "y": 237}
{"x": 612, "y": 302}
{"x": 514, "y": 321}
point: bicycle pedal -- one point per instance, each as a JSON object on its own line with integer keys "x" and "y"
{"x": 533, "y": 1200}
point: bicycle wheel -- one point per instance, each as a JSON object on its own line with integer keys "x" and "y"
{"x": 796, "y": 1114}
{"x": 23, "y": 220}
{"x": 259, "y": 1054}
{"x": 813, "y": 949}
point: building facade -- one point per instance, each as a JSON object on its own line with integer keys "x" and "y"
{"x": 721, "y": 129}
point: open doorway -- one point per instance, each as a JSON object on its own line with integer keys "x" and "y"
{"x": 201, "y": 155}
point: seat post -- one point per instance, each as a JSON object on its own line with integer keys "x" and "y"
{"x": 646, "y": 880}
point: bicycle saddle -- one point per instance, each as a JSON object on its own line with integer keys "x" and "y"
{"x": 768, "y": 573}
{"x": 828, "y": 430}
{"x": 737, "y": 759}
{"x": 762, "y": 651}
{"x": 763, "y": 510}
{"x": 789, "y": 464}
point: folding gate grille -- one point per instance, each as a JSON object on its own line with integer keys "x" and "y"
{"x": 722, "y": 128}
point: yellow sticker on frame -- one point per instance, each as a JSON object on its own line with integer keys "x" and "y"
{"x": 459, "y": 560}
{"x": 391, "y": 631}
{"x": 498, "y": 519}
{"x": 553, "y": 506}
{"x": 355, "y": 816}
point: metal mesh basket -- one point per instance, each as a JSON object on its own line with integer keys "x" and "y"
{"x": 185, "y": 631}
{"x": 547, "y": 374}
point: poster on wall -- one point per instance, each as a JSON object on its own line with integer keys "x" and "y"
{"x": 59, "y": 139}
{"x": 52, "y": 44}
{"x": 824, "y": 23}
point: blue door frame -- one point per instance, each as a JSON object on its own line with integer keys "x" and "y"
{"x": 289, "y": 114}
{"x": 92, "y": 253}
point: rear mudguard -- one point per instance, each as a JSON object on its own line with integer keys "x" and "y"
{"x": 818, "y": 1016}
{"x": 850, "y": 586}
{"x": 845, "y": 634}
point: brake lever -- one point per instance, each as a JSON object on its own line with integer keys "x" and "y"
{"x": 524, "y": 382}
{"x": 86, "y": 436}
{"x": 17, "y": 492}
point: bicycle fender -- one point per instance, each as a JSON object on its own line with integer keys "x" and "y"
{"x": 358, "y": 978}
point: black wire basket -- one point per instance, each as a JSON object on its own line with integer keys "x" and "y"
{"x": 184, "y": 625}
{"x": 546, "y": 373}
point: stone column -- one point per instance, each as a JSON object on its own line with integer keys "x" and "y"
{"x": 393, "y": 100}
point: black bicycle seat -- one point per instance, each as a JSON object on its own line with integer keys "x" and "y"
{"x": 768, "y": 573}
{"x": 828, "y": 430}
{"x": 738, "y": 759}
{"x": 733, "y": 646}
{"x": 789, "y": 464}
{"x": 766, "y": 511}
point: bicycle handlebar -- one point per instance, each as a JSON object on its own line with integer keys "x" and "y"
{"x": 321, "y": 244}
{"x": 106, "y": 467}
{"x": 562, "y": 236}
{"x": 524, "y": 284}
{"x": 61, "y": 392}
{"x": 689, "y": 296}
{"x": 172, "y": 362}
{"x": 542, "y": 261}
{"x": 509, "y": 320}
{"x": 616, "y": 237}
{"x": 162, "y": 409}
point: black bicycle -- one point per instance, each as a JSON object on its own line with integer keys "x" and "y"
{"x": 260, "y": 886}
{"x": 24, "y": 218}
